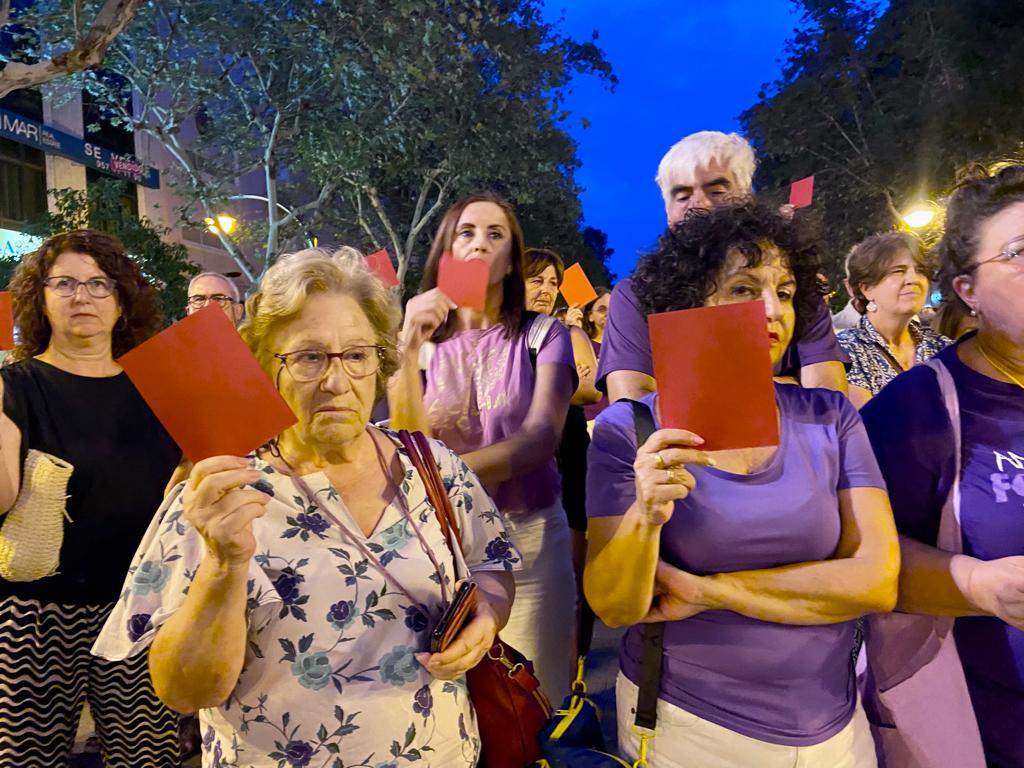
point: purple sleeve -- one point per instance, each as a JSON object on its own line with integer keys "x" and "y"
{"x": 556, "y": 348}
{"x": 858, "y": 467}
{"x": 913, "y": 441}
{"x": 819, "y": 343}
{"x": 611, "y": 486}
{"x": 626, "y": 345}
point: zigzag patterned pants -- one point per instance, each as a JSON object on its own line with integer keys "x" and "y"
{"x": 46, "y": 675}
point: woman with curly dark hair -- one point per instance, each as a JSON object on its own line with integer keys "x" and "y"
{"x": 949, "y": 437}
{"x": 758, "y": 561}
{"x": 74, "y": 426}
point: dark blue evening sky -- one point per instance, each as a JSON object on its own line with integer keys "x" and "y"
{"x": 682, "y": 67}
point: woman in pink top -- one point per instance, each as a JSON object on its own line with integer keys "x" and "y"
{"x": 495, "y": 386}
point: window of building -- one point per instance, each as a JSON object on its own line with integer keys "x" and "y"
{"x": 100, "y": 122}
{"x": 22, "y": 184}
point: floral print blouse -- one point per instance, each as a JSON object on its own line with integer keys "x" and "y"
{"x": 872, "y": 364}
{"x": 330, "y": 679}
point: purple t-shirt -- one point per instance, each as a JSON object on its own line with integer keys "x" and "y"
{"x": 780, "y": 683}
{"x": 479, "y": 389}
{"x": 913, "y": 440}
{"x": 626, "y": 345}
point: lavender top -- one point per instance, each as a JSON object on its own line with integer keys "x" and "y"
{"x": 626, "y": 345}
{"x": 779, "y": 683}
{"x": 912, "y": 436}
{"x": 478, "y": 392}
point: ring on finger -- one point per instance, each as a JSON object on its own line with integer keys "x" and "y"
{"x": 659, "y": 463}
{"x": 674, "y": 476}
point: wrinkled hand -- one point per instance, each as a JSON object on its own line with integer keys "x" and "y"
{"x": 468, "y": 647}
{"x": 997, "y": 586}
{"x": 583, "y": 370}
{"x": 221, "y": 510}
{"x": 661, "y": 475}
{"x": 677, "y": 595}
{"x": 574, "y": 316}
{"x": 424, "y": 314}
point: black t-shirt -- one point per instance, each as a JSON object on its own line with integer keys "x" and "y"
{"x": 122, "y": 458}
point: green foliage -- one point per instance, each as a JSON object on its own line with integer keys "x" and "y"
{"x": 165, "y": 265}
{"x": 884, "y": 108}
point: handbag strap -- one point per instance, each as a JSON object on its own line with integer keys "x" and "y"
{"x": 654, "y": 634}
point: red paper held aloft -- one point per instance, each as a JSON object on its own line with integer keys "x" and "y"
{"x": 206, "y": 387}
{"x": 6, "y": 321}
{"x": 576, "y": 288}
{"x": 714, "y": 374}
{"x": 801, "y": 192}
{"x": 464, "y": 281}
{"x": 380, "y": 264}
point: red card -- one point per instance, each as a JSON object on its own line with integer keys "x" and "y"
{"x": 801, "y": 192}
{"x": 6, "y": 321}
{"x": 576, "y": 288}
{"x": 464, "y": 282}
{"x": 714, "y": 374}
{"x": 206, "y": 387}
{"x": 380, "y": 264}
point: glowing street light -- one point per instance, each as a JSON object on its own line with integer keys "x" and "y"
{"x": 224, "y": 222}
{"x": 920, "y": 215}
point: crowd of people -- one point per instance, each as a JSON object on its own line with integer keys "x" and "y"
{"x": 288, "y": 596}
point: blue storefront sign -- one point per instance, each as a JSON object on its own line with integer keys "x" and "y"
{"x": 14, "y": 245}
{"x": 25, "y": 131}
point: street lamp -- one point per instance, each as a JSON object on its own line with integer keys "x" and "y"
{"x": 226, "y": 222}
{"x": 920, "y": 214}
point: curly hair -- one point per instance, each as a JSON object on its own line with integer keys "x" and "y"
{"x": 980, "y": 197}
{"x": 683, "y": 271}
{"x": 295, "y": 277}
{"x": 513, "y": 302}
{"x": 141, "y": 315}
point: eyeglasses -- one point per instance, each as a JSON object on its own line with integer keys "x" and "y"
{"x": 311, "y": 364}
{"x": 1012, "y": 253}
{"x": 64, "y": 286}
{"x": 198, "y": 301}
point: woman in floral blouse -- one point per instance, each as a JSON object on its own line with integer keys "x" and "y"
{"x": 888, "y": 282}
{"x": 289, "y": 595}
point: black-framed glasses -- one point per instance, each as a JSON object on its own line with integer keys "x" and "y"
{"x": 198, "y": 301}
{"x": 65, "y": 286}
{"x": 1012, "y": 253}
{"x": 311, "y": 364}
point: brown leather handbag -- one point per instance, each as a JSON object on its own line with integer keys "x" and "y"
{"x": 510, "y": 707}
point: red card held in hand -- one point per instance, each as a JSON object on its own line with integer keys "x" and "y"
{"x": 207, "y": 388}
{"x": 380, "y": 264}
{"x": 576, "y": 287}
{"x": 801, "y": 193}
{"x": 714, "y": 372}
{"x": 6, "y": 321}
{"x": 464, "y": 281}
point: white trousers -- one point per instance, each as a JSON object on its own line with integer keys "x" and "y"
{"x": 683, "y": 740}
{"x": 542, "y": 625}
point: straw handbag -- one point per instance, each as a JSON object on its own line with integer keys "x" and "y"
{"x": 33, "y": 528}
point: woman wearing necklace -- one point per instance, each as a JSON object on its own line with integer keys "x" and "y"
{"x": 887, "y": 280}
{"x": 950, "y": 439}
{"x": 290, "y": 595}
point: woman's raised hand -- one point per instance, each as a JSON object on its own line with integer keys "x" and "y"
{"x": 222, "y": 509}
{"x": 424, "y": 314}
{"x": 661, "y": 475}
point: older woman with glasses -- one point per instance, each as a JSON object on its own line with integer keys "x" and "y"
{"x": 79, "y": 303}
{"x": 949, "y": 438}
{"x": 290, "y": 595}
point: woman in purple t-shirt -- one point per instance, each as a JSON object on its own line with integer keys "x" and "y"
{"x": 758, "y": 560}
{"x": 981, "y": 265}
{"x": 495, "y": 387}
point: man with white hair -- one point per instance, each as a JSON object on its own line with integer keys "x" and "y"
{"x": 207, "y": 287}
{"x": 703, "y": 170}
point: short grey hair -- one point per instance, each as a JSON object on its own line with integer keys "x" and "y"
{"x": 697, "y": 149}
{"x": 232, "y": 288}
{"x": 295, "y": 277}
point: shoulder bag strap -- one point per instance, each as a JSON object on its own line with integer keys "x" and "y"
{"x": 950, "y": 538}
{"x": 654, "y": 634}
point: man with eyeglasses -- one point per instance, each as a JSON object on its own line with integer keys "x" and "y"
{"x": 213, "y": 287}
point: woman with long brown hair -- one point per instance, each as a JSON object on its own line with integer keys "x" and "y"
{"x": 495, "y": 386}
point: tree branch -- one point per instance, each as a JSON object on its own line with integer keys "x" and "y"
{"x": 88, "y": 51}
